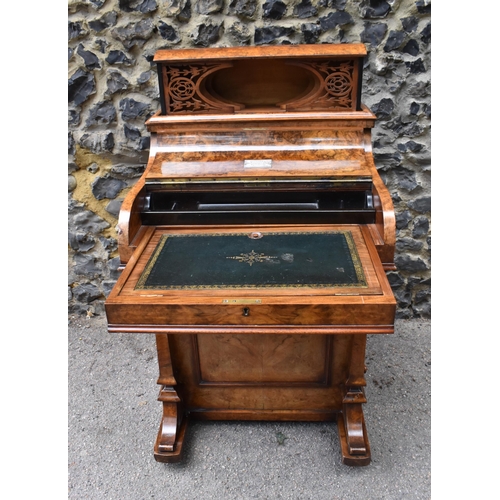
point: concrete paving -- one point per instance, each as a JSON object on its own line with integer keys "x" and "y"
{"x": 114, "y": 416}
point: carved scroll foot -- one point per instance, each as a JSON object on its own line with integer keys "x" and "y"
{"x": 352, "y": 429}
{"x": 168, "y": 445}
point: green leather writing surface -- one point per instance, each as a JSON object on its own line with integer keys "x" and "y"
{"x": 258, "y": 260}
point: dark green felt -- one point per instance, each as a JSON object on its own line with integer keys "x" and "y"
{"x": 321, "y": 259}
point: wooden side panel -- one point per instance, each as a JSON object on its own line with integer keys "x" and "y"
{"x": 266, "y": 359}
{"x": 244, "y": 388}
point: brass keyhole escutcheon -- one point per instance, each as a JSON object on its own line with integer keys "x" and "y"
{"x": 246, "y": 311}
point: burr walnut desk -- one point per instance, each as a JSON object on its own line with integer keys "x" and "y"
{"x": 255, "y": 245}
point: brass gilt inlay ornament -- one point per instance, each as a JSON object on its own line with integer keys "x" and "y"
{"x": 252, "y": 257}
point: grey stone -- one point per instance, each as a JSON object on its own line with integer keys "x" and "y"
{"x": 81, "y": 242}
{"x": 374, "y": 9}
{"x": 333, "y": 4}
{"x": 90, "y": 60}
{"x": 71, "y": 144}
{"x": 412, "y": 146}
{"x": 414, "y": 108}
{"x": 394, "y": 40}
{"x": 87, "y": 265}
{"x": 144, "y": 77}
{"x": 98, "y": 142}
{"x": 373, "y": 33}
{"x": 132, "y": 109}
{"x": 387, "y": 160}
{"x": 403, "y": 298}
{"x": 207, "y": 7}
{"x": 244, "y": 9}
{"x": 402, "y": 129}
{"x": 93, "y": 168}
{"x": 103, "y": 113}
{"x": 107, "y": 286}
{"x": 119, "y": 57}
{"x": 383, "y": 108}
{"x": 425, "y": 34}
{"x": 81, "y": 86}
{"x": 405, "y": 179}
{"x": 274, "y": 9}
{"x": 113, "y": 207}
{"x": 403, "y": 219}
{"x": 73, "y": 117}
{"x": 335, "y": 19}
{"x": 416, "y": 66}
{"x": 134, "y": 34}
{"x": 423, "y": 6}
{"x": 408, "y": 245}
{"x": 240, "y": 33}
{"x": 106, "y": 21}
{"x": 305, "y": 9}
{"x": 131, "y": 133}
{"x": 86, "y": 292}
{"x": 421, "y": 205}
{"x": 422, "y": 310}
{"x": 310, "y": 32}
{"x": 418, "y": 89}
{"x": 410, "y": 24}
{"x": 88, "y": 222}
{"x": 143, "y": 6}
{"x": 71, "y": 183}
{"x": 411, "y": 48}
{"x": 420, "y": 227}
{"x": 173, "y": 8}
{"x": 168, "y": 32}
{"x": 144, "y": 143}
{"x": 185, "y": 14}
{"x": 403, "y": 314}
{"x": 422, "y": 296}
{"x": 207, "y": 34}
{"x": 113, "y": 266}
{"x": 76, "y": 30}
{"x": 107, "y": 187}
{"x": 129, "y": 171}
{"x": 406, "y": 263}
{"x": 395, "y": 280}
{"x": 109, "y": 244}
{"x": 101, "y": 45}
{"x": 148, "y": 6}
{"x": 270, "y": 34}
{"x": 116, "y": 82}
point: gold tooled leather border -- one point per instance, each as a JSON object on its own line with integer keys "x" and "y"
{"x": 360, "y": 275}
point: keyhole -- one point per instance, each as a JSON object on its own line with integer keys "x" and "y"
{"x": 246, "y": 311}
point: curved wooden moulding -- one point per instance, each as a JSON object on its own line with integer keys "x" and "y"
{"x": 258, "y": 85}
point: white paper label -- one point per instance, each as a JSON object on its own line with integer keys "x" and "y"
{"x": 257, "y": 163}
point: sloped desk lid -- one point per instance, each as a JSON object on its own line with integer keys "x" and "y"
{"x": 322, "y": 276}
{"x": 320, "y": 259}
{"x": 281, "y": 260}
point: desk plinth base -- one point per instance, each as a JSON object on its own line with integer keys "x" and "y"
{"x": 176, "y": 454}
{"x": 336, "y": 393}
{"x": 350, "y": 456}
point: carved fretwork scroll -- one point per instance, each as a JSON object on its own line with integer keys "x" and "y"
{"x": 335, "y": 88}
{"x": 184, "y": 89}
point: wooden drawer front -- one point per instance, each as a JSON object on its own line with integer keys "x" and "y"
{"x": 231, "y": 315}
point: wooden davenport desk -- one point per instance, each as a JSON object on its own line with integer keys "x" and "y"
{"x": 255, "y": 244}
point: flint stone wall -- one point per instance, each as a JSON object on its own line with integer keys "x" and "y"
{"x": 113, "y": 89}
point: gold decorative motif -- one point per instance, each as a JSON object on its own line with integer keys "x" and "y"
{"x": 252, "y": 257}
